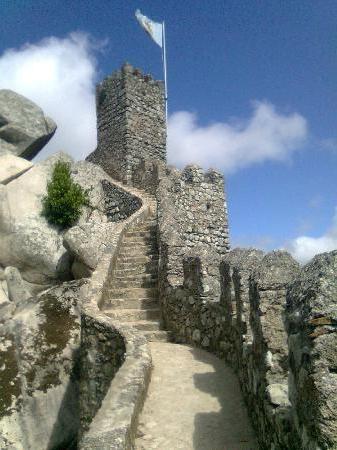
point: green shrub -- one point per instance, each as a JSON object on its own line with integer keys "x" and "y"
{"x": 64, "y": 200}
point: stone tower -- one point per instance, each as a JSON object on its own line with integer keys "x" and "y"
{"x": 131, "y": 127}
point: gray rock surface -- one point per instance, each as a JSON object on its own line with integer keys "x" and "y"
{"x": 27, "y": 241}
{"x": 277, "y": 394}
{"x": 12, "y": 167}
{"x": 17, "y": 290}
{"x": 39, "y": 349}
{"x": 7, "y": 307}
{"x": 312, "y": 326}
{"x": 87, "y": 242}
{"x": 109, "y": 203}
{"x": 30, "y": 243}
{"x": 24, "y": 129}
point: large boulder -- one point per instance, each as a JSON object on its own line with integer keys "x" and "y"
{"x": 27, "y": 240}
{"x": 109, "y": 204}
{"x": 39, "y": 389}
{"x": 24, "y": 129}
{"x": 12, "y": 167}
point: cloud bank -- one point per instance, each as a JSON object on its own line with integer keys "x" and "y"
{"x": 303, "y": 248}
{"x": 60, "y": 76}
{"x": 266, "y": 136}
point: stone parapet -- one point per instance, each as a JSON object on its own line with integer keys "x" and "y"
{"x": 115, "y": 360}
{"x": 312, "y": 338}
{"x": 267, "y": 361}
{"x": 246, "y": 326}
{"x": 192, "y": 220}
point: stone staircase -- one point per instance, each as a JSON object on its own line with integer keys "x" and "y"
{"x": 132, "y": 297}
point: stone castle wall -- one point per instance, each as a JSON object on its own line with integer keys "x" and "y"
{"x": 311, "y": 318}
{"x": 276, "y": 325}
{"x": 232, "y": 303}
{"x": 192, "y": 218}
{"x": 130, "y": 124}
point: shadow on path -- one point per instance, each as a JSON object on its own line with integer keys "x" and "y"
{"x": 230, "y": 428}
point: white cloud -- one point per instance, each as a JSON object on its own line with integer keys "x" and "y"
{"x": 59, "y": 75}
{"x": 267, "y": 135}
{"x": 303, "y": 248}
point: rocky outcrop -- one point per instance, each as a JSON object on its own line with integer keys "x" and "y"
{"x": 39, "y": 351}
{"x": 109, "y": 203}
{"x": 24, "y": 129}
{"x": 44, "y": 253}
{"x": 12, "y": 167}
{"x": 16, "y": 288}
{"x": 27, "y": 241}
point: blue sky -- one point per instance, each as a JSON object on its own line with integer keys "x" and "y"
{"x": 229, "y": 64}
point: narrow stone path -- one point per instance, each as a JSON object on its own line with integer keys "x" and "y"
{"x": 193, "y": 402}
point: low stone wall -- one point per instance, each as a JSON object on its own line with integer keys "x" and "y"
{"x": 188, "y": 309}
{"x": 119, "y": 203}
{"x": 116, "y": 369}
{"x": 116, "y": 361}
{"x": 266, "y": 368}
{"x": 103, "y": 351}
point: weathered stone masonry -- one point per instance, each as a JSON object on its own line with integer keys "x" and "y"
{"x": 192, "y": 217}
{"x": 131, "y": 127}
{"x": 287, "y": 375}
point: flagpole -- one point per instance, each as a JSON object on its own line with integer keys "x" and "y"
{"x": 165, "y": 71}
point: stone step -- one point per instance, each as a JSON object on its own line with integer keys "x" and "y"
{"x": 136, "y": 252}
{"x": 144, "y": 325}
{"x": 135, "y": 282}
{"x": 138, "y": 273}
{"x": 151, "y": 230}
{"x": 128, "y": 293}
{"x": 137, "y": 244}
{"x": 135, "y": 269}
{"x": 151, "y": 239}
{"x": 139, "y": 233}
{"x": 133, "y": 315}
{"x": 146, "y": 276}
{"x": 138, "y": 259}
{"x": 142, "y": 248}
{"x": 158, "y": 336}
{"x": 150, "y": 223}
{"x": 132, "y": 303}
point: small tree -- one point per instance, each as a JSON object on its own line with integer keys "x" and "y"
{"x": 64, "y": 200}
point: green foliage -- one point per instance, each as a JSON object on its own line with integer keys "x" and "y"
{"x": 64, "y": 200}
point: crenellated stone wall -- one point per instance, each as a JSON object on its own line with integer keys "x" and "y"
{"x": 130, "y": 124}
{"x": 266, "y": 368}
{"x": 290, "y": 409}
{"x": 192, "y": 220}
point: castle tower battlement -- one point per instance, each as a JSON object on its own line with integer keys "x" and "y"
{"x": 131, "y": 125}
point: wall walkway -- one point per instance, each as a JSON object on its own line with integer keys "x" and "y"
{"x": 194, "y": 402}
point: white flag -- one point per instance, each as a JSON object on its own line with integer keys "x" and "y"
{"x": 154, "y": 29}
